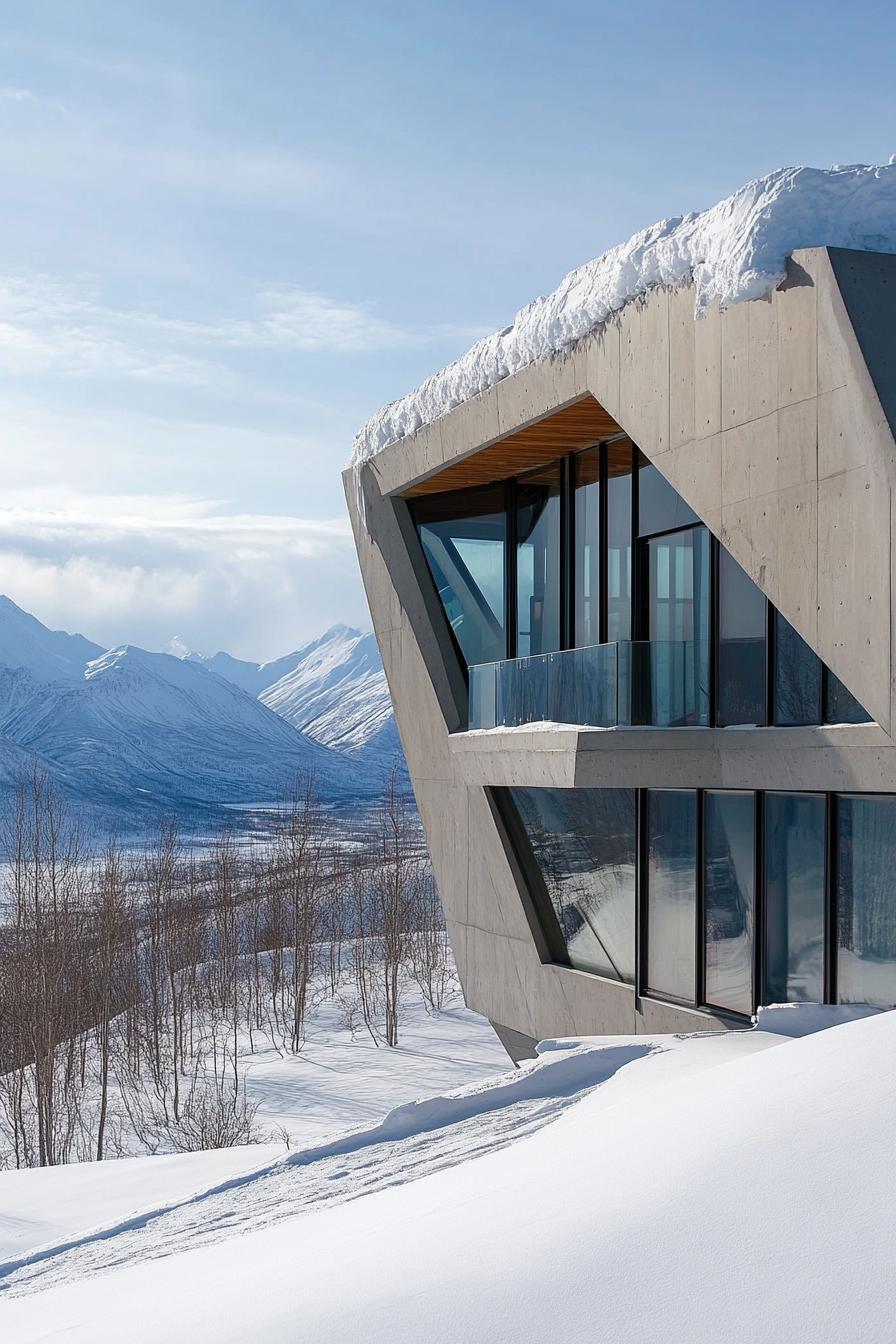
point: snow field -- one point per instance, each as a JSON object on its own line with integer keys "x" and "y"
{"x": 713, "y": 1187}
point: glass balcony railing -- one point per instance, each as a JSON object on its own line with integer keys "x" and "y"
{"x": 664, "y": 684}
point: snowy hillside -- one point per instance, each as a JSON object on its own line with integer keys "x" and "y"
{"x": 337, "y": 694}
{"x": 333, "y": 690}
{"x": 149, "y": 722}
{"x": 689, "y": 1188}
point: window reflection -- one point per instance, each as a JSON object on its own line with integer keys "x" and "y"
{"x": 729, "y": 890}
{"x": 742, "y": 616}
{"x": 660, "y": 506}
{"x": 587, "y": 574}
{"x": 619, "y": 540}
{"x": 866, "y": 903}
{"x": 538, "y": 561}
{"x": 795, "y": 845}
{"x": 463, "y": 536}
{"x": 584, "y": 843}
{"x": 671, "y": 892}
{"x": 678, "y": 628}
{"x": 840, "y": 705}
{"x": 797, "y": 677}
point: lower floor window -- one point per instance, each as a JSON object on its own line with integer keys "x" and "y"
{"x": 718, "y": 898}
{"x": 583, "y": 841}
{"x": 866, "y": 900}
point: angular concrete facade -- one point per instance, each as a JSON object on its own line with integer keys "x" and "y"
{"x": 774, "y": 421}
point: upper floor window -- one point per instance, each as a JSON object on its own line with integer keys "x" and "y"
{"x": 597, "y": 548}
{"x": 464, "y": 539}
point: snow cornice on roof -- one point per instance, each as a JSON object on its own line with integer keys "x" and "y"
{"x": 734, "y": 251}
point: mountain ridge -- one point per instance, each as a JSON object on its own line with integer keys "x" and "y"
{"x": 127, "y": 729}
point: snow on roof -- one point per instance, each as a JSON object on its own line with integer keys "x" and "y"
{"x": 734, "y": 251}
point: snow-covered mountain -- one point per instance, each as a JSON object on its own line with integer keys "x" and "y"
{"x": 130, "y": 733}
{"x": 332, "y": 689}
{"x": 50, "y": 655}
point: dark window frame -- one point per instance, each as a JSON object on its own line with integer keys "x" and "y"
{"x": 638, "y": 586}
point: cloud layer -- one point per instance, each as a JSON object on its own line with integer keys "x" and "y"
{"x": 142, "y": 569}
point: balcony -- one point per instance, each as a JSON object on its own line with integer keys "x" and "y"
{"x": 627, "y": 684}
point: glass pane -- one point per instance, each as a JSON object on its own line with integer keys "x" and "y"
{"x": 794, "y": 897}
{"x": 742, "y": 611}
{"x": 619, "y": 540}
{"x": 729, "y": 887}
{"x": 586, "y": 582}
{"x": 583, "y": 685}
{"x": 797, "y": 677}
{"x": 463, "y": 534}
{"x": 840, "y": 706}
{"x": 671, "y": 892}
{"x": 660, "y": 507}
{"x": 677, "y": 677}
{"x": 538, "y": 561}
{"x": 584, "y": 844}
{"x": 866, "y": 901}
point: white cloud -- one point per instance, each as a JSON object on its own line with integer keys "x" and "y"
{"x": 47, "y": 325}
{"x": 141, "y": 568}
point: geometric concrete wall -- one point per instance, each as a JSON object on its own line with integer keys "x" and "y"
{"x": 771, "y": 420}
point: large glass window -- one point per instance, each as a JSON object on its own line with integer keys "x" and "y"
{"x": 587, "y": 570}
{"x": 742, "y": 617}
{"x": 729, "y": 877}
{"x": 671, "y": 892}
{"x": 798, "y": 674}
{"x": 464, "y": 539}
{"x": 584, "y": 843}
{"x": 678, "y": 628}
{"x": 795, "y": 847}
{"x": 619, "y": 540}
{"x": 538, "y": 621}
{"x": 866, "y": 899}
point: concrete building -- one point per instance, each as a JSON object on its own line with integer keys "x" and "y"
{"x": 636, "y": 609}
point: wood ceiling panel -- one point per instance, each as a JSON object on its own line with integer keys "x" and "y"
{"x": 566, "y": 431}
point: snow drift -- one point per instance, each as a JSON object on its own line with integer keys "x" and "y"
{"x": 734, "y": 251}
{"x": 720, "y": 1187}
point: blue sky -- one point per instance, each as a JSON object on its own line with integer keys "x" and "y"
{"x": 231, "y": 231}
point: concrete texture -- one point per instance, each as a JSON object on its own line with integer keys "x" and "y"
{"x": 774, "y": 421}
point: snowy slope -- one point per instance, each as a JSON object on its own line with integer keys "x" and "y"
{"x": 151, "y": 723}
{"x": 337, "y": 694}
{"x": 333, "y": 689}
{"x": 703, "y": 1188}
{"x": 252, "y": 678}
{"x": 127, "y": 733}
{"x": 734, "y": 251}
{"x": 340, "y": 1079}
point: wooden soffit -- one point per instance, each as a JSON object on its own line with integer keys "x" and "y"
{"x": 576, "y": 426}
